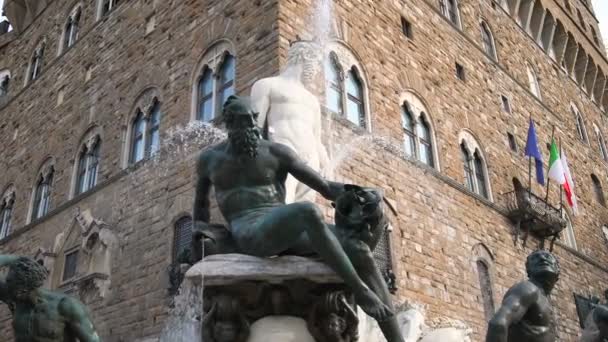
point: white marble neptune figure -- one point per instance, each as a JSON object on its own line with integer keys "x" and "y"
{"x": 291, "y": 115}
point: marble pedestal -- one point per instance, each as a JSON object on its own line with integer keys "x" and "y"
{"x": 263, "y": 299}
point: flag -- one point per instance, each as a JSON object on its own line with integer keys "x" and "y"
{"x": 569, "y": 184}
{"x": 532, "y": 151}
{"x": 556, "y": 169}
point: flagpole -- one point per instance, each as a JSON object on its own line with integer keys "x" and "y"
{"x": 548, "y": 178}
{"x": 561, "y": 188}
{"x": 530, "y": 170}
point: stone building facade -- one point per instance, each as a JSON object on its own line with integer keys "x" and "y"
{"x": 439, "y": 79}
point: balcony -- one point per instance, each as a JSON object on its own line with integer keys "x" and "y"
{"x": 533, "y": 215}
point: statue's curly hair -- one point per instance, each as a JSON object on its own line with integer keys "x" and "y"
{"x": 26, "y": 274}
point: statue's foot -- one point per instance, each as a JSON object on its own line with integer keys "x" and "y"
{"x": 373, "y": 306}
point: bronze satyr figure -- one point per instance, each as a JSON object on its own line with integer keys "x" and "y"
{"x": 225, "y": 321}
{"x": 40, "y": 315}
{"x": 332, "y": 319}
{"x": 248, "y": 174}
{"x": 526, "y": 314}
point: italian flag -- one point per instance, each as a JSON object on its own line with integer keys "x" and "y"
{"x": 556, "y": 169}
{"x": 560, "y": 173}
{"x": 569, "y": 185}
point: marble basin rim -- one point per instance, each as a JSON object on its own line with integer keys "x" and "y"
{"x": 223, "y": 269}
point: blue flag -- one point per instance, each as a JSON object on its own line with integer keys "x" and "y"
{"x": 532, "y": 151}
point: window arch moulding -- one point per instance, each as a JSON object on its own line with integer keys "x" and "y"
{"x": 419, "y": 110}
{"x": 210, "y": 66}
{"x": 148, "y": 107}
{"x": 42, "y": 189}
{"x": 91, "y": 141}
{"x": 349, "y": 64}
{"x": 470, "y": 143}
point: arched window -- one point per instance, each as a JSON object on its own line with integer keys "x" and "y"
{"x": 6, "y": 214}
{"x": 449, "y": 8}
{"x": 36, "y": 62}
{"x": 345, "y": 91}
{"x": 580, "y": 124}
{"x": 533, "y": 81}
{"x": 488, "y": 41}
{"x": 581, "y": 20}
{"x": 605, "y": 232}
{"x": 425, "y": 141}
{"x": 5, "y": 81}
{"x": 145, "y": 135}
{"x": 227, "y": 74}
{"x": 139, "y": 128}
{"x": 205, "y": 93}
{"x": 333, "y": 81}
{"x": 469, "y": 180}
{"x": 106, "y": 6}
{"x": 596, "y": 39}
{"x": 215, "y": 82}
{"x": 355, "y": 111}
{"x": 598, "y": 190}
{"x": 42, "y": 194}
{"x": 485, "y": 284}
{"x": 483, "y": 264}
{"x": 88, "y": 166}
{"x": 182, "y": 237}
{"x": 475, "y": 168}
{"x": 480, "y": 175}
{"x": 568, "y": 233}
{"x": 602, "y": 145}
{"x": 409, "y": 135}
{"x": 72, "y": 26}
{"x": 417, "y": 130}
{"x": 153, "y": 142}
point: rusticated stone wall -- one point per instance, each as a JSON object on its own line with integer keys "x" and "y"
{"x": 440, "y": 223}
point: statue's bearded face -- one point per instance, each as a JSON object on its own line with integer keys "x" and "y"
{"x": 241, "y": 121}
{"x": 542, "y": 264}
{"x": 309, "y": 56}
{"x": 244, "y": 134}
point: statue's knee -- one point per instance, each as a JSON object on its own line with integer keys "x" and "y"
{"x": 309, "y": 211}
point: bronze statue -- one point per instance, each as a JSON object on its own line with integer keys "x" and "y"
{"x": 249, "y": 175}
{"x": 225, "y": 321}
{"x": 360, "y": 223}
{"x": 526, "y": 315}
{"x": 332, "y": 319}
{"x": 596, "y": 324}
{"x": 41, "y": 315}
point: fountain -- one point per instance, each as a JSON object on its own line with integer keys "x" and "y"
{"x": 289, "y": 298}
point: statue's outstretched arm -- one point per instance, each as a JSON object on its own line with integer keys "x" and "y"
{"x": 305, "y": 174}
{"x": 514, "y": 307}
{"x": 260, "y": 102}
{"x": 78, "y": 320}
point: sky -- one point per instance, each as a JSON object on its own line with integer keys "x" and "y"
{"x": 601, "y": 12}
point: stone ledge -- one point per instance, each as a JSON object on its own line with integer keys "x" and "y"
{"x": 226, "y": 269}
